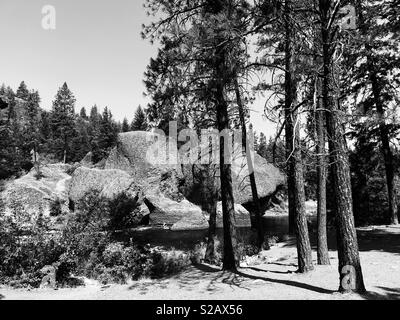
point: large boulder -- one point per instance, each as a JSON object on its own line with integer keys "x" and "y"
{"x": 171, "y": 188}
{"x": 34, "y": 195}
{"x": 142, "y": 154}
{"x": 138, "y": 154}
{"x": 159, "y": 197}
{"x": 176, "y": 215}
{"x": 168, "y": 206}
{"x": 242, "y": 216}
{"x": 106, "y": 183}
{"x": 268, "y": 179}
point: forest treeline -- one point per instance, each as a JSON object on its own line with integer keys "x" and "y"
{"x": 58, "y": 135}
{"x": 328, "y": 73}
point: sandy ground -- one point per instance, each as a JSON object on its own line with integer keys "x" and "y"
{"x": 274, "y": 279}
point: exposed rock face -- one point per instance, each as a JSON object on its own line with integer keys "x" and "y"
{"x": 169, "y": 207}
{"x": 242, "y": 216}
{"x": 138, "y": 167}
{"x": 158, "y": 197}
{"x": 108, "y": 183}
{"x": 268, "y": 179}
{"x": 133, "y": 154}
{"x": 87, "y": 160}
{"x": 182, "y": 215}
{"x": 142, "y": 154}
{"x": 167, "y": 187}
{"x": 35, "y": 196}
{"x": 138, "y": 154}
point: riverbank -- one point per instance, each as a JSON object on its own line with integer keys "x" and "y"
{"x": 272, "y": 279}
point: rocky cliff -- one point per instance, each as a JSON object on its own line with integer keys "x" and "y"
{"x": 33, "y": 195}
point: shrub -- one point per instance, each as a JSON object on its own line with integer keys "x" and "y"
{"x": 122, "y": 213}
{"x": 85, "y": 247}
{"x": 166, "y": 264}
{"x": 24, "y": 254}
{"x": 197, "y": 255}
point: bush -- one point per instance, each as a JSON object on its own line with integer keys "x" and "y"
{"x": 197, "y": 255}
{"x": 24, "y": 254}
{"x": 122, "y": 213}
{"x": 165, "y": 264}
{"x": 85, "y": 247}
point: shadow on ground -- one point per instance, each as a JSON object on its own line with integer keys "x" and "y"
{"x": 368, "y": 240}
{"x": 389, "y": 294}
{"x": 241, "y": 279}
{"x": 204, "y": 278}
{"x": 1, "y": 297}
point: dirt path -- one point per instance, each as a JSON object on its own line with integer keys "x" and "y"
{"x": 380, "y": 257}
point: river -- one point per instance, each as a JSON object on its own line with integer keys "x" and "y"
{"x": 184, "y": 240}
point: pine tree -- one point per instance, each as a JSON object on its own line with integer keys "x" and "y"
{"x": 83, "y": 114}
{"x": 62, "y": 122}
{"x": 105, "y": 136}
{"x": 12, "y": 157}
{"x": 190, "y": 79}
{"x": 250, "y": 165}
{"x": 373, "y": 61}
{"x": 349, "y": 259}
{"x": 80, "y": 144}
{"x": 125, "y": 125}
{"x": 32, "y": 128}
{"x": 262, "y": 146}
{"x": 139, "y": 122}
{"x": 45, "y": 131}
{"x": 22, "y": 91}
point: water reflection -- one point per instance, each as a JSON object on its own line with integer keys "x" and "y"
{"x": 273, "y": 225}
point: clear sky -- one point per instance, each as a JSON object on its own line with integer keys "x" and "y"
{"x": 96, "y": 48}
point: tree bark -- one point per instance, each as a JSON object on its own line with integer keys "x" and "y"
{"x": 297, "y": 212}
{"x": 351, "y": 278}
{"x": 290, "y": 92}
{"x": 322, "y": 242}
{"x": 304, "y": 255}
{"x": 247, "y": 152}
{"x": 221, "y": 78}
{"x": 230, "y": 260}
{"x": 383, "y": 128}
{"x": 209, "y": 204}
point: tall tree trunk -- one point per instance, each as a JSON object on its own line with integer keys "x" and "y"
{"x": 230, "y": 260}
{"x": 297, "y": 213}
{"x": 322, "y": 242}
{"x": 351, "y": 278}
{"x": 247, "y": 152}
{"x": 212, "y": 228}
{"x": 220, "y": 79}
{"x": 209, "y": 204}
{"x": 383, "y": 128}
{"x": 290, "y": 92}
{"x": 304, "y": 255}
